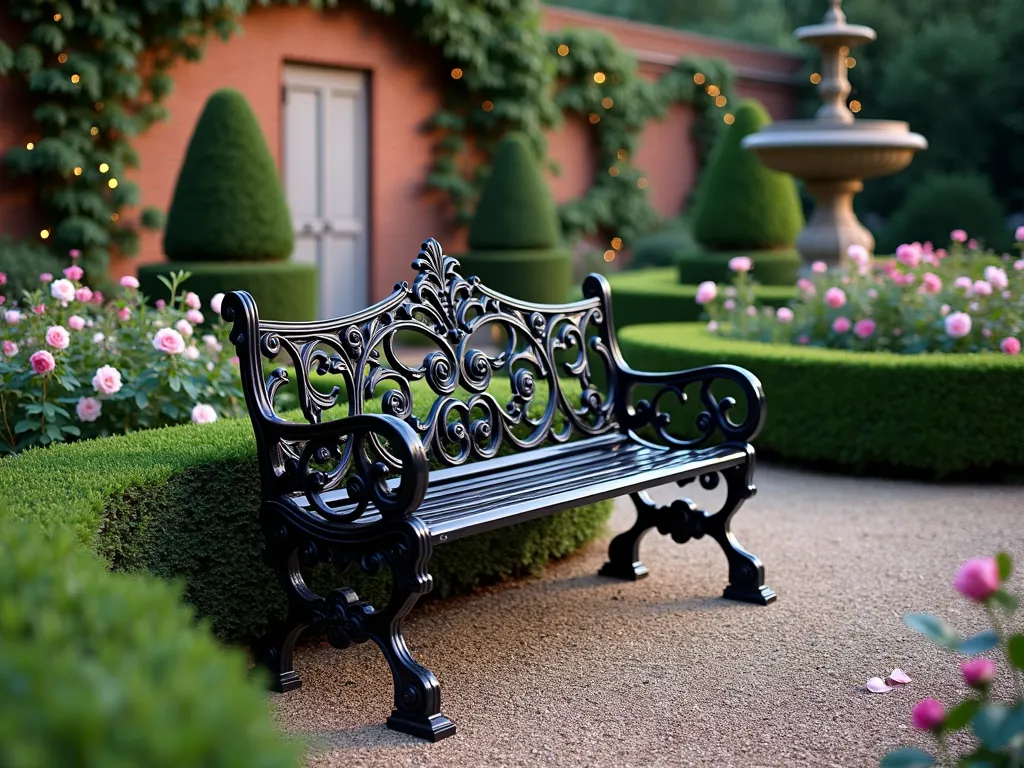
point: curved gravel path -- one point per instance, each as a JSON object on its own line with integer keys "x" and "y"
{"x": 576, "y": 670}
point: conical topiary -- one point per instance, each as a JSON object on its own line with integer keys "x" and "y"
{"x": 515, "y": 238}
{"x": 228, "y": 202}
{"x": 742, "y": 204}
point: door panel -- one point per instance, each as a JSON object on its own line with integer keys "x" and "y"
{"x": 327, "y": 181}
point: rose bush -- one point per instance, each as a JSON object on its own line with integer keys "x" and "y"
{"x": 76, "y": 364}
{"x": 955, "y": 299}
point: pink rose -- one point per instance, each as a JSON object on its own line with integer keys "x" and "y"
{"x": 124, "y": 314}
{"x": 996, "y": 277}
{"x": 1018, "y": 235}
{"x": 841, "y": 324}
{"x": 909, "y": 255}
{"x": 42, "y": 362}
{"x": 107, "y": 380}
{"x": 204, "y": 414}
{"x": 10, "y": 348}
{"x": 963, "y": 282}
{"x": 129, "y": 282}
{"x": 13, "y": 316}
{"x": 191, "y": 352}
{"x": 195, "y": 317}
{"x": 76, "y": 322}
{"x": 1007, "y": 294}
{"x": 84, "y": 294}
{"x": 712, "y": 327}
{"x": 97, "y": 297}
{"x": 63, "y": 290}
{"x": 161, "y": 305}
{"x": 740, "y": 264}
{"x": 706, "y": 292}
{"x": 751, "y": 311}
{"x": 211, "y": 343}
{"x": 835, "y": 297}
{"x": 46, "y": 277}
{"x": 57, "y": 336}
{"x": 192, "y": 301}
{"x": 729, "y": 305}
{"x": 941, "y": 253}
{"x": 170, "y": 341}
{"x": 958, "y": 236}
{"x": 858, "y": 254}
{"x": 1010, "y": 345}
{"x": 928, "y": 715}
{"x": 958, "y": 325}
{"x": 981, "y": 288}
{"x": 88, "y": 409}
{"x": 74, "y": 272}
{"x": 907, "y": 279}
{"x": 74, "y": 253}
{"x": 931, "y": 283}
{"x": 803, "y": 340}
{"x": 215, "y": 302}
{"x": 234, "y": 360}
{"x": 806, "y": 286}
{"x": 98, "y": 337}
{"x": 864, "y": 328}
{"x": 978, "y": 579}
{"x": 3, "y": 278}
{"x": 784, "y": 315}
{"x": 39, "y": 309}
{"x": 819, "y": 267}
{"x": 986, "y": 332}
{"x": 978, "y": 673}
{"x": 972, "y": 244}
{"x": 183, "y": 328}
{"x": 944, "y": 309}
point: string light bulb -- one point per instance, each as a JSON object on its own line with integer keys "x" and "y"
{"x": 487, "y": 106}
{"x": 622, "y": 154}
{"x": 57, "y": 17}
{"x": 62, "y": 58}
{"x": 721, "y": 101}
{"x": 456, "y": 73}
{"x": 609, "y": 255}
{"x": 613, "y": 171}
{"x": 563, "y": 50}
{"x": 607, "y": 102}
{"x": 599, "y": 77}
{"x": 642, "y": 182}
{"x": 114, "y": 217}
{"x": 617, "y": 243}
{"x": 815, "y": 78}
{"x": 104, "y": 167}
{"x": 30, "y": 146}
{"x": 713, "y": 90}
{"x": 845, "y": 50}
{"x": 44, "y": 234}
{"x": 594, "y": 118}
{"x": 851, "y": 62}
{"x": 855, "y": 106}
{"x": 94, "y": 131}
{"x": 112, "y": 183}
{"x": 729, "y": 118}
{"x": 78, "y": 170}
{"x": 75, "y": 79}
{"x": 699, "y": 78}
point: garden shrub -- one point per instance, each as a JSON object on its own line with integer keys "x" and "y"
{"x": 655, "y": 296}
{"x": 776, "y": 268}
{"x": 927, "y": 415}
{"x": 941, "y": 202}
{"x": 102, "y": 669}
{"x": 182, "y": 502}
{"x": 21, "y": 263}
{"x": 663, "y": 248}
{"x": 515, "y": 239}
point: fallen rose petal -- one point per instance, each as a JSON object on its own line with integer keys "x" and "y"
{"x": 898, "y": 676}
{"x": 877, "y": 685}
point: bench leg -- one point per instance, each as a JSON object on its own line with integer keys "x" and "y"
{"x": 274, "y": 650}
{"x": 624, "y": 550}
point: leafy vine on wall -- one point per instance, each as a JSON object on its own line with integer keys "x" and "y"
{"x": 98, "y": 72}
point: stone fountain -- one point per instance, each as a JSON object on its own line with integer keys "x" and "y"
{"x": 834, "y": 152}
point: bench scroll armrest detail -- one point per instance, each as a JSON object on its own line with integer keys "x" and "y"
{"x": 714, "y": 418}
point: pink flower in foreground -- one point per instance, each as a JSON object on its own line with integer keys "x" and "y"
{"x": 864, "y": 328}
{"x": 74, "y": 253}
{"x": 996, "y": 277}
{"x": 712, "y": 327}
{"x": 10, "y": 348}
{"x": 39, "y": 309}
{"x": 195, "y": 317}
{"x": 807, "y": 286}
{"x": 978, "y": 673}
{"x": 42, "y": 362}
{"x": 931, "y": 282}
{"x": 986, "y": 332}
{"x": 88, "y": 409}
{"x": 803, "y": 340}
{"x": 835, "y": 297}
{"x": 13, "y": 316}
{"x": 57, "y": 336}
{"x": 928, "y": 715}
{"x": 191, "y": 352}
{"x": 740, "y": 264}
{"x": 204, "y": 414}
{"x": 124, "y": 314}
{"x": 819, "y": 267}
{"x": 184, "y": 328}
{"x": 958, "y": 325}
{"x": 1010, "y": 345}
{"x": 77, "y": 322}
{"x": 97, "y": 298}
{"x": 192, "y": 301}
{"x": 978, "y": 579}
{"x": 74, "y": 272}
{"x": 981, "y": 288}
{"x": 129, "y": 282}
{"x": 909, "y": 254}
{"x": 706, "y": 291}
{"x": 751, "y": 311}
{"x": 211, "y": 343}
{"x": 161, "y": 305}
{"x": 858, "y": 254}
{"x": 46, "y": 277}
{"x": 841, "y": 324}
{"x": 784, "y": 315}
{"x": 729, "y": 305}
{"x": 84, "y": 294}
{"x": 107, "y": 380}
{"x": 216, "y": 301}
{"x": 3, "y": 278}
{"x": 169, "y": 340}
{"x": 1019, "y": 234}
{"x": 958, "y": 236}
{"x": 63, "y": 290}
{"x": 872, "y": 293}
{"x": 972, "y": 244}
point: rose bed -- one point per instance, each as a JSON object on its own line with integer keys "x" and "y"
{"x": 930, "y": 415}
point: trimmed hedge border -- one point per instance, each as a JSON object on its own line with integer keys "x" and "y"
{"x": 543, "y": 275}
{"x": 182, "y": 502}
{"x": 657, "y": 296}
{"x": 933, "y": 416}
{"x": 778, "y": 267}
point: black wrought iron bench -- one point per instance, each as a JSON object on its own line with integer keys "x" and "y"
{"x": 358, "y": 489}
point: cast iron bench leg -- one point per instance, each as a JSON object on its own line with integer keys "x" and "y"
{"x": 683, "y": 521}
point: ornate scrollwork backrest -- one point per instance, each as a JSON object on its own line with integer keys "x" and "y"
{"x": 545, "y": 350}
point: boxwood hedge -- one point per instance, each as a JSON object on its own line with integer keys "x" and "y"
{"x": 931, "y": 416}
{"x": 181, "y": 502}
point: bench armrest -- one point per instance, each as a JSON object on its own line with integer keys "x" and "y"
{"x": 713, "y": 418}
{"x": 378, "y": 459}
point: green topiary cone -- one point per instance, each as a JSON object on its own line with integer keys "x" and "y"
{"x": 228, "y": 202}
{"x": 742, "y": 205}
{"x": 515, "y": 211}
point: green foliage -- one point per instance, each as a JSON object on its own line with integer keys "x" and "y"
{"x": 23, "y": 261}
{"x": 228, "y": 202}
{"x": 663, "y": 248}
{"x": 743, "y": 205}
{"x": 542, "y": 276}
{"x": 516, "y": 211}
{"x": 928, "y": 415}
{"x": 102, "y": 669}
{"x": 182, "y": 503}
{"x": 287, "y": 289}
{"x": 940, "y": 203}
{"x": 778, "y": 267}
{"x": 656, "y": 296}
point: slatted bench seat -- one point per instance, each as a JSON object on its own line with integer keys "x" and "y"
{"x": 360, "y": 488}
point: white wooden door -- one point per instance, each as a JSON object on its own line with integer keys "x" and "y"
{"x": 326, "y": 170}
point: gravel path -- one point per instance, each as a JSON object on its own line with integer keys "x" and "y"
{"x": 576, "y": 670}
